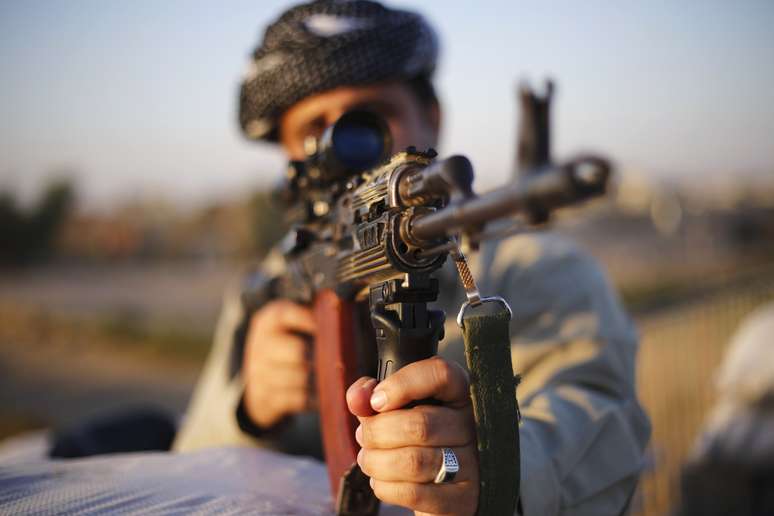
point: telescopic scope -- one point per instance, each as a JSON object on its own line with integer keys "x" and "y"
{"x": 356, "y": 142}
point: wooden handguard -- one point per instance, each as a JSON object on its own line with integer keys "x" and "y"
{"x": 335, "y": 365}
{"x": 493, "y": 392}
{"x": 335, "y": 358}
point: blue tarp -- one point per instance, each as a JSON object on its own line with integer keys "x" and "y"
{"x": 222, "y": 481}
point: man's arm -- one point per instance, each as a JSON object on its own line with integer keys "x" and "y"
{"x": 222, "y": 411}
{"x": 583, "y": 432}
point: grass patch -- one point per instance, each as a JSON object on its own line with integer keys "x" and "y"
{"x": 159, "y": 339}
{"x": 125, "y": 332}
{"x": 656, "y": 295}
{"x": 666, "y": 291}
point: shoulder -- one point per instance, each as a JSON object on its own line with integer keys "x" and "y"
{"x": 556, "y": 290}
{"x": 538, "y": 253}
{"x": 546, "y": 264}
{"x": 743, "y": 377}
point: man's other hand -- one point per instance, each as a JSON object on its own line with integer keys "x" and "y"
{"x": 278, "y": 363}
{"x": 401, "y": 448}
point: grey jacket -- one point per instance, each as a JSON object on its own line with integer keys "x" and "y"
{"x": 583, "y": 432}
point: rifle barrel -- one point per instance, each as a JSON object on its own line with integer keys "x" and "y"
{"x": 536, "y": 195}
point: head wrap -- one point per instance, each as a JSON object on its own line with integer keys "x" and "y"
{"x": 325, "y": 44}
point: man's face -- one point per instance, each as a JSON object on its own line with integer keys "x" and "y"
{"x": 410, "y": 122}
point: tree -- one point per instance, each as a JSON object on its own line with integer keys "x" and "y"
{"x": 30, "y": 235}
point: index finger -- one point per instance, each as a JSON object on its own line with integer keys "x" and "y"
{"x": 358, "y": 395}
{"x": 288, "y": 316}
{"x": 435, "y": 378}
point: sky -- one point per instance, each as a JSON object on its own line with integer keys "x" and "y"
{"x": 139, "y": 98}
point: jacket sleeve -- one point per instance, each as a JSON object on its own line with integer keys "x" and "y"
{"x": 210, "y": 418}
{"x": 213, "y": 414}
{"x": 583, "y": 432}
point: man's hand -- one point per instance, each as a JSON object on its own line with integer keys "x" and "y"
{"x": 278, "y": 363}
{"x": 401, "y": 448}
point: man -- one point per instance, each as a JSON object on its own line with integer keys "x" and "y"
{"x": 731, "y": 470}
{"x": 583, "y": 432}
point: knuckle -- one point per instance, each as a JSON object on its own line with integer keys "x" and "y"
{"x": 269, "y": 312}
{"x": 415, "y": 463}
{"x": 365, "y": 461}
{"x": 298, "y": 402}
{"x": 252, "y": 362}
{"x": 251, "y": 370}
{"x": 295, "y": 314}
{"x": 263, "y": 321}
{"x": 256, "y": 326}
{"x": 280, "y": 305}
{"x": 410, "y": 494}
{"x": 418, "y": 426}
{"x": 253, "y": 398}
{"x": 367, "y": 433}
{"x": 442, "y": 371}
{"x": 379, "y": 490}
{"x": 296, "y": 350}
{"x": 277, "y": 311}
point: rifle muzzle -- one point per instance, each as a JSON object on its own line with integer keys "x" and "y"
{"x": 535, "y": 196}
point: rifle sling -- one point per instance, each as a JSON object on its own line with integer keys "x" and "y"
{"x": 485, "y": 329}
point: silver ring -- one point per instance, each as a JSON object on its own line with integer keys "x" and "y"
{"x": 449, "y": 467}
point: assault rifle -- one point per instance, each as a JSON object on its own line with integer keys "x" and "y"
{"x": 369, "y": 231}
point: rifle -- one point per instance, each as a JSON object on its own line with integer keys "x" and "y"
{"x": 370, "y": 229}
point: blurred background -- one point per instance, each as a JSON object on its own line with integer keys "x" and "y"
{"x": 128, "y": 199}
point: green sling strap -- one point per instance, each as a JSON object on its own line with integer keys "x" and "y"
{"x": 485, "y": 328}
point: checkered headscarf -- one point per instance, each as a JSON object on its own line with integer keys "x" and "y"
{"x": 325, "y": 44}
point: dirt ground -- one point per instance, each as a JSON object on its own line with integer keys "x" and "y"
{"x": 76, "y": 344}
{"x": 53, "y": 378}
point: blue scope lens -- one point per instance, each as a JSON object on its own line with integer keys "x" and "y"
{"x": 358, "y": 146}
